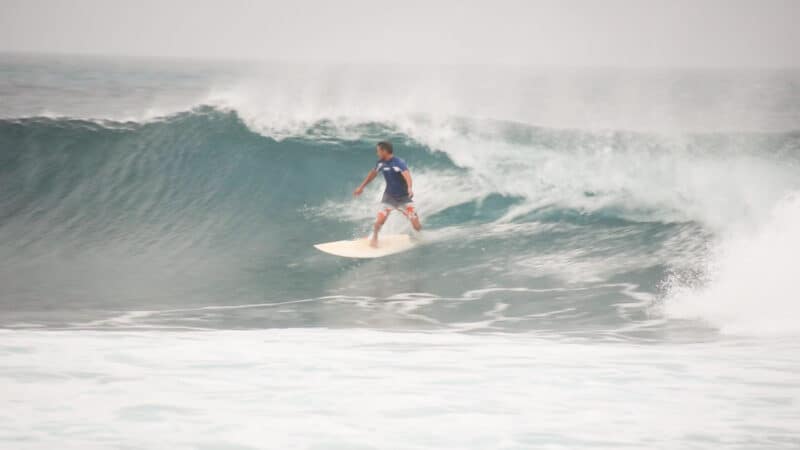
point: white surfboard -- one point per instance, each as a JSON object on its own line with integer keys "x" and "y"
{"x": 388, "y": 244}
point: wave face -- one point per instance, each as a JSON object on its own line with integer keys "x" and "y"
{"x": 206, "y": 216}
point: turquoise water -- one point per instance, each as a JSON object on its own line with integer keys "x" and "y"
{"x": 596, "y": 243}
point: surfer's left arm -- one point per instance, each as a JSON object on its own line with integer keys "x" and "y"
{"x": 407, "y": 176}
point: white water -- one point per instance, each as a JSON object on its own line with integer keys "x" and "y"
{"x": 317, "y": 388}
{"x": 751, "y": 279}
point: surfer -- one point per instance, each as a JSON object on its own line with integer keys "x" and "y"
{"x": 398, "y": 194}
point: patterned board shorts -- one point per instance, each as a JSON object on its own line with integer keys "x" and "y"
{"x": 402, "y": 204}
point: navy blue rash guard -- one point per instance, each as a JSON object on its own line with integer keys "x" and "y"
{"x": 392, "y": 171}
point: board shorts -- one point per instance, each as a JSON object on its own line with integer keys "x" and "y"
{"x": 395, "y": 202}
{"x": 402, "y": 204}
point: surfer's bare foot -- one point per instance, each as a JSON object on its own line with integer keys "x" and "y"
{"x": 373, "y": 242}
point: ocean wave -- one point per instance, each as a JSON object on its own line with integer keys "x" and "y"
{"x": 715, "y": 179}
{"x": 215, "y": 195}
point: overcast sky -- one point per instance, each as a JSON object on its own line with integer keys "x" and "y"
{"x": 639, "y": 33}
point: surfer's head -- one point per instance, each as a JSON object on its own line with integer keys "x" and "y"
{"x": 384, "y": 150}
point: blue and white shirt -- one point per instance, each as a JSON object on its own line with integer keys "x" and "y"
{"x": 392, "y": 171}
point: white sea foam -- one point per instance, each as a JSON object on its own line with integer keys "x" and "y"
{"x": 316, "y": 388}
{"x": 750, "y": 284}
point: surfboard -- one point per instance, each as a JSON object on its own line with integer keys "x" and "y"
{"x": 388, "y": 244}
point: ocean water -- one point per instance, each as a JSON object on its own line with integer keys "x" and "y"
{"x": 608, "y": 260}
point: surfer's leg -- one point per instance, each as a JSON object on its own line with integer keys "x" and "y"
{"x": 411, "y": 213}
{"x": 383, "y": 214}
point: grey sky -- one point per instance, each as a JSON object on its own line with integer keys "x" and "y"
{"x": 568, "y": 32}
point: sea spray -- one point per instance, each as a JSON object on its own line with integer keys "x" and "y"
{"x": 749, "y": 285}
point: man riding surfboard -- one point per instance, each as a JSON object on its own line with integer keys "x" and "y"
{"x": 398, "y": 193}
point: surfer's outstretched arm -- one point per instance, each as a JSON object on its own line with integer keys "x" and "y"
{"x": 370, "y": 176}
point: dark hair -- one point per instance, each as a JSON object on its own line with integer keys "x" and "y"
{"x": 386, "y": 145}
